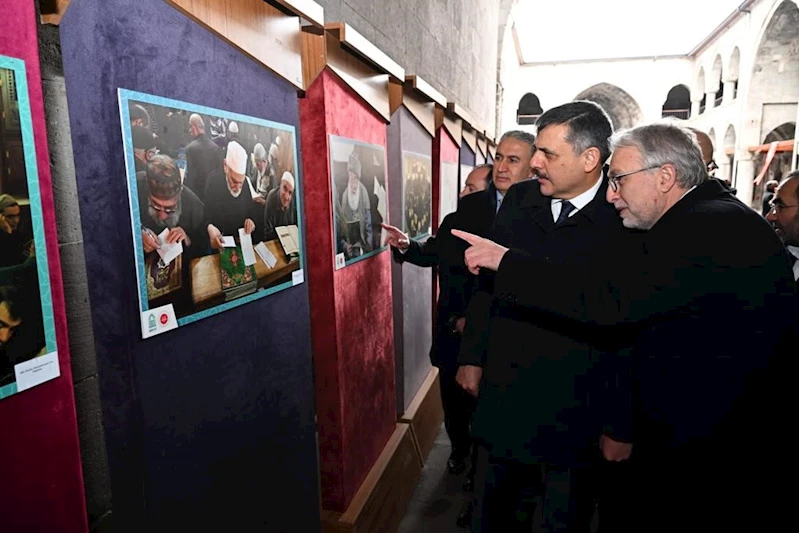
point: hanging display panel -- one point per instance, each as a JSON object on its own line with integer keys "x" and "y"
{"x": 215, "y": 202}
{"x": 417, "y": 192}
{"x": 358, "y": 182}
{"x": 28, "y": 351}
{"x": 448, "y": 193}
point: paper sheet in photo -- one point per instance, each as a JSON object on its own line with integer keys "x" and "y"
{"x": 246, "y": 247}
{"x": 228, "y": 241}
{"x": 266, "y": 255}
{"x": 168, "y": 252}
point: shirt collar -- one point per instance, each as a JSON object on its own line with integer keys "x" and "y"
{"x": 582, "y": 199}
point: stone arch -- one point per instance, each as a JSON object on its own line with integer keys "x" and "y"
{"x": 699, "y": 90}
{"x": 781, "y": 163}
{"x": 771, "y": 93}
{"x": 529, "y": 109}
{"x": 712, "y": 134}
{"x": 678, "y": 103}
{"x": 623, "y": 109}
{"x": 729, "y": 138}
{"x": 714, "y": 81}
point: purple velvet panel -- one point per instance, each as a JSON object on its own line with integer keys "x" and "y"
{"x": 353, "y": 344}
{"x": 41, "y": 487}
{"x": 210, "y": 425}
{"x": 411, "y": 285}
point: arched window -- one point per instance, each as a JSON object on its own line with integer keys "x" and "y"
{"x": 529, "y": 110}
{"x": 678, "y": 103}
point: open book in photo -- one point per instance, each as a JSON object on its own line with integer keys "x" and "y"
{"x": 289, "y": 239}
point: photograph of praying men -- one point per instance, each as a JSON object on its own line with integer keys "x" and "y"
{"x": 417, "y": 194}
{"x": 208, "y": 191}
{"x": 23, "y": 330}
{"x": 358, "y": 173}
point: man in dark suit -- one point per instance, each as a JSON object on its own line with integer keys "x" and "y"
{"x": 203, "y": 157}
{"x": 708, "y": 305}
{"x": 545, "y": 395}
{"x": 476, "y": 212}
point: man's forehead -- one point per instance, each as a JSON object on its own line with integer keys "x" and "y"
{"x": 511, "y": 146}
{"x": 624, "y": 155}
{"x": 164, "y": 202}
{"x": 788, "y": 187}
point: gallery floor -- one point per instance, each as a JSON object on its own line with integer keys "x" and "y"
{"x": 438, "y": 498}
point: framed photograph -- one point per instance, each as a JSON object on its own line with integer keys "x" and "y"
{"x": 211, "y": 195}
{"x": 28, "y": 351}
{"x": 417, "y": 193}
{"x": 358, "y": 175}
{"x": 448, "y": 193}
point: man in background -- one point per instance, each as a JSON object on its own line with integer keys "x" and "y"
{"x": 280, "y": 209}
{"x": 784, "y": 216}
{"x": 227, "y": 208}
{"x": 202, "y": 157}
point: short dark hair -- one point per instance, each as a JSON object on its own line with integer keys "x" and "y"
{"x": 521, "y": 136}
{"x": 10, "y": 296}
{"x": 589, "y": 126}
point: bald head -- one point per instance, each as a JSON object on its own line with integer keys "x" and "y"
{"x": 705, "y": 145}
{"x": 477, "y": 180}
{"x": 197, "y": 123}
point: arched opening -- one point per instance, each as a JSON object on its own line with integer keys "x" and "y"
{"x": 623, "y": 110}
{"x": 715, "y": 81}
{"x": 678, "y": 103}
{"x": 529, "y": 110}
{"x": 780, "y": 139}
{"x": 700, "y": 89}
{"x": 729, "y": 153}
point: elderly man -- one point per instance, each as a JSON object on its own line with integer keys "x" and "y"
{"x": 280, "y": 210}
{"x": 263, "y": 174}
{"x": 12, "y": 245}
{"x": 477, "y": 180}
{"x": 226, "y": 208}
{"x": 704, "y": 401}
{"x": 10, "y": 321}
{"x": 164, "y": 203}
{"x": 356, "y": 214}
{"x": 202, "y": 157}
{"x": 544, "y": 399}
{"x": 144, "y": 148}
{"x": 784, "y": 216}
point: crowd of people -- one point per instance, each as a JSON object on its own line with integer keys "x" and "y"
{"x": 613, "y": 331}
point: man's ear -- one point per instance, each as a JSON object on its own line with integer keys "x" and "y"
{"x": 666, "y": 177}
{"x": 591, "y": 159}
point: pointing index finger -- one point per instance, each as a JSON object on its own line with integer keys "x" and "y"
{"x": 468, "y": 237}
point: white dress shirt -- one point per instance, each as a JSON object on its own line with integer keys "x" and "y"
{"x": 579, "y": 201}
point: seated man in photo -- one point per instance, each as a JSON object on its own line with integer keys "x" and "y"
{"x": 10, "y": 320}
{"x": 11, "y": 240}
{"x": 164, "y": 203}
{"x": 356, "y": 217}
{"x": 280, "y": 209}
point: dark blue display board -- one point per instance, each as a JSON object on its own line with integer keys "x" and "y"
{"x": 212, "y": 424}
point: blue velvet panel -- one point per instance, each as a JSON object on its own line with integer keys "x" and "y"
{"x": 411, "y": 285}
{"x": 210, "y": 425}
{"x": 467, "y": 155}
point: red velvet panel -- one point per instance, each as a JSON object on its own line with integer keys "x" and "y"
{"x": 351, "y": 309}
{"x": 41, "y": 485}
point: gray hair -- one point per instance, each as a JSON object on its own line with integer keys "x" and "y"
{"x": 521, "y": 136}
{"x": 793, "y": 175}
{"x": 197, "y": 121}
{"x": 663, "y": 143}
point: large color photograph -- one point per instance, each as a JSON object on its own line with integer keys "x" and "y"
{"x": 28, "y": 354}
{"x": 215, "y": 206}
{"x": 448, "y": 193}
{"x": 358, "y": 174}
{"x": 417, "y": 196}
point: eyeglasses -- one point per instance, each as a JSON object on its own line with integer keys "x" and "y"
{"x": 778, "y": 206}
{"x": 165, "y": 210}
{"x": 152, "y": 152}
{"x": 613, "y": 181}
{"x": 711, "y": 166}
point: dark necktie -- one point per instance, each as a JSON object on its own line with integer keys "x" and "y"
{"x": 566, "y": 207}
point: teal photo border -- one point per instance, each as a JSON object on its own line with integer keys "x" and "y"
{"x": 37, "y": 218}
{"x": 125, "y": 97}
{"x": 426, "y": 234}
{"x": 353, "y": 142}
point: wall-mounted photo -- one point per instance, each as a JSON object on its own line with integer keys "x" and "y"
{"x": 417, "y": 196}
{"x": 448, "y": 193}
{"x": 358, "y": 174}
{"x": 28, "y": 353}
{"x": 215, "y": 206}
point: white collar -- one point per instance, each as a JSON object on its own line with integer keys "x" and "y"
{"x": 579, "y": 201}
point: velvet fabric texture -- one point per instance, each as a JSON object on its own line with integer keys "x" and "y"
{"x": 42, "y": 485}
{"x": 210, "y": 425}
{"x": 351, "y": 309}
{"x": 411, "y": 285}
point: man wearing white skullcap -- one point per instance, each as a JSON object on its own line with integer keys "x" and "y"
{"x": 281, "y": 210}
{"x": 226, "y": 207}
